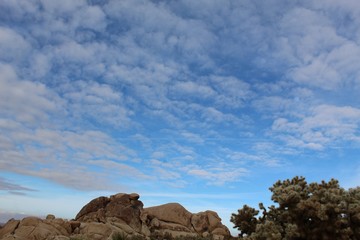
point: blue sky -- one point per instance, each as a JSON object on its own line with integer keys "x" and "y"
{"x": 206, "y": 103}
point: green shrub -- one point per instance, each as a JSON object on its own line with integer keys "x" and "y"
{"x": 303, "y": 211}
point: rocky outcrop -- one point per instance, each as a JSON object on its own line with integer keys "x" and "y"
{"x": 33, "y": 228}
{"x": 174, "y": 218}
{"x": 123, "y": 207}
{"x": 208, "y": 221}
{"x": 171, "y": 212}
{"x": 103, "y": 217}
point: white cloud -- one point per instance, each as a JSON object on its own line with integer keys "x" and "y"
{"x": 13, "y": 47}
{"x": 192, "y": 137}
{"x": 72, "y": 51}
{"x": 228, "y": 92}
{"x": 193, "y": 89}
{"x": 273, "y": 104}
{"x": 262, "y": 157}
{"x": 10, "y": 186}
{"x": 331, "y": 70}
{"x": 200, "y": 173}
{"x": 25, "y": 101}
{"x": 324, "y": 125}
{"x": 66, "y": 157}
{"x": 61, "y": 8}
{"x": 89, "y": 83}
{"x": 41, "y": 65}
{"x": 317, "y": 74}
{"x": 166, "y": 174}
{"x": 16, "y": 10}
{"x": 38, "y": 140}
{"x": 92, "y": 17}
{"x": 312, "y": 44}
{"x": 120, "y": 169}
{"x": 337, "y": 122}
{"x": 98, "y": 102}
{"x": 218, "y": 176}
{"x": 158, "y": 154}
{"x": 211, "y": 114}
{"x": 183, "y": 149}
{"x": 350, "y": 6}
{"x": 165, "y": 32}
{"x": 232, "y": 92}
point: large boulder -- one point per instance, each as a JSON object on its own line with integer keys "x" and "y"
{"x": 209, "y": 222}
{"x": 93, "y": 210}
{"x": 125, "y": 207}
{"x": 175, "y": 219}
{"x": 170, "y": 212}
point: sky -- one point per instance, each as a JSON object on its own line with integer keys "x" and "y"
{"x": 206, "y": 103}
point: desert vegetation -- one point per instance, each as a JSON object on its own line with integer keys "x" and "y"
{"x": 302, "y": 211}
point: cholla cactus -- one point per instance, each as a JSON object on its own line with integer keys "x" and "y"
{"x": 245, "y": 220}
{"x": 304, "y": 211}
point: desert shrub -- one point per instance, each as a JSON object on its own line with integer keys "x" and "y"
{"x": 303, "y": 211}
{"x": 120, "y": 236}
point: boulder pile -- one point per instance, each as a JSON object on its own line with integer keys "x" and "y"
{"x": 103, "y": 217}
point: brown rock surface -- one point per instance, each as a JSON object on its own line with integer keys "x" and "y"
{"x": 33, "y": 228}
{"x": 9, "y": 227}
{"x": 74, "y": 225}
{"x": 214, "y": 220}
{"x": 170, "y": 212}
{"x": 134, "y": 196}
{"x": 200, "y": 222}
{"x": 126, "y": 207}
{"x": 96, "y": 231}
{"x": 50, "y": 217}
{"x": 220, "y": 231}
{"x": 209, "y": 222}
{"x": 92, "y": 208}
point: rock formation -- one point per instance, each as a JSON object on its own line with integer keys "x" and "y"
{"x": 36, "y": 228}
{"x": 103, "y": 217}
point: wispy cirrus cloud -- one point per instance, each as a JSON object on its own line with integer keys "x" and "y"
{"x": 6, "y": 185}
{"x": 218, "y": 176}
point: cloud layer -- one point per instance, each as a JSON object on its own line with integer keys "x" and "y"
{"x": 105, "y": 95}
